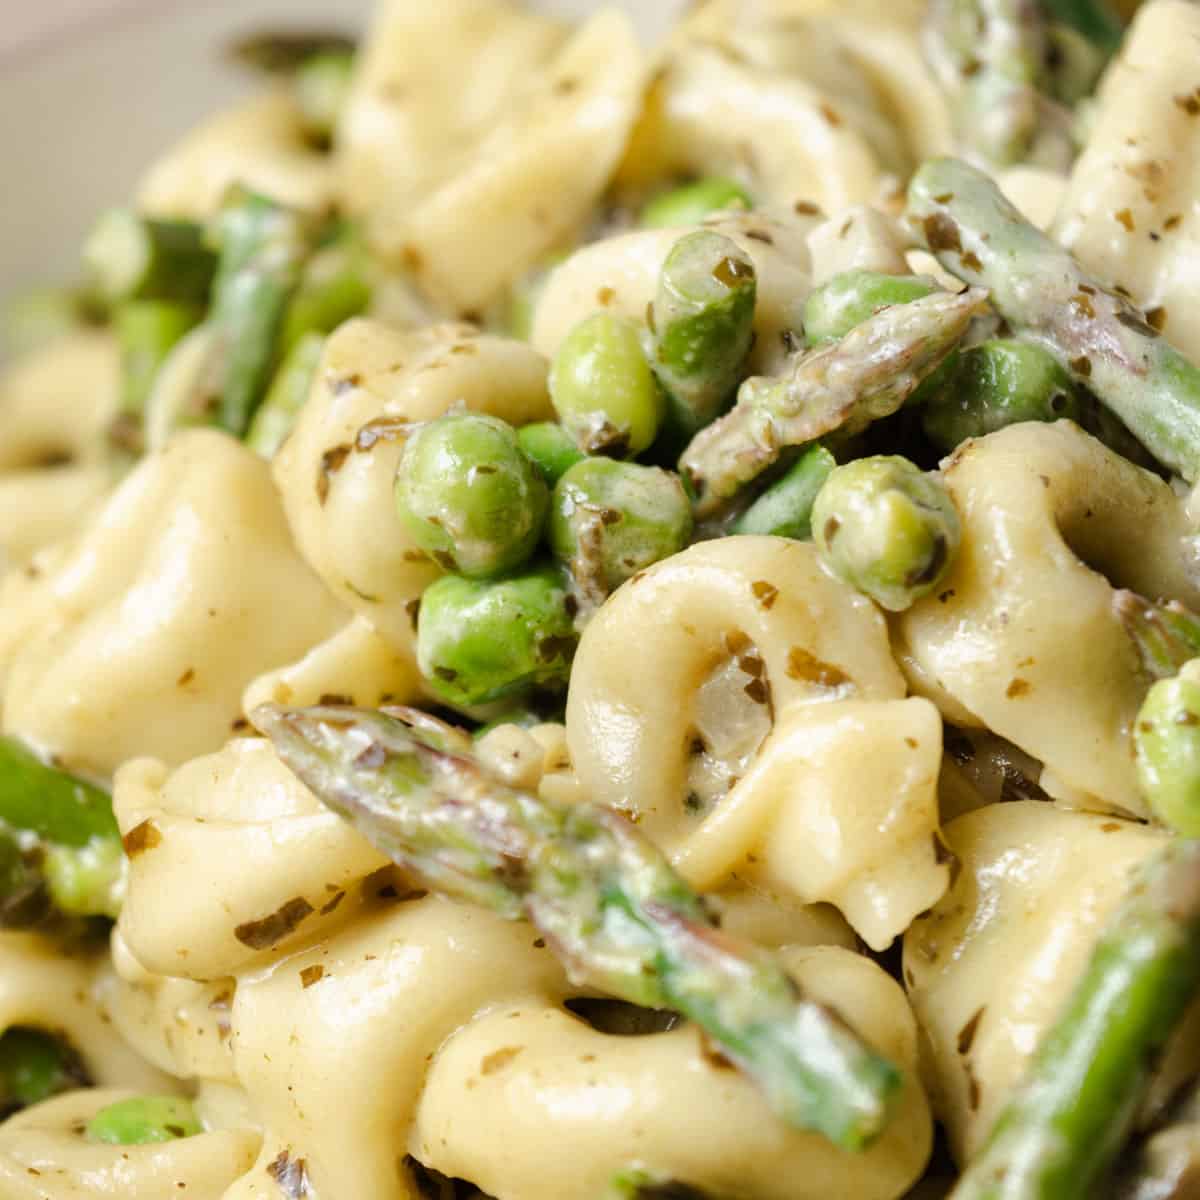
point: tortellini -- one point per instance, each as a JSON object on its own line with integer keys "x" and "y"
{"x": 527, "y": 157}
{"x": 1035, "y": 886}
{"x": 184, "y": 589}
{"x": 1024, "y": 633}
{"x": 1131, "y": 214}
{"x": 335, "y": 472}
{"x": 744, "y": 706}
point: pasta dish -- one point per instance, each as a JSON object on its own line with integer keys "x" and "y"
{"x": 592, "y": 619}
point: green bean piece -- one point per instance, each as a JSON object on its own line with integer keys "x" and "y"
{"x": 486, "y": 640}
{"x": 609, "y": 520}
{"x": 887, "y": 529}
{"x": 468, "y": 495}
{"x": 1166, "y": 739}
{"x": 848, "y": 299}
{"x": 998, "y": 383}
{"x": 1097, "y": 20}
{"x": 702, "y": 327}
{"x": 840, "y": 387}
{"x": 130, "y": 257}
{"x": 1097, "y": 336}
{"x": 86, "y": 881}
{"x": 690, "y": 203}
{"x": 282, "y": 52}
{"x": 147, "y": 331}
{"x": 321, "y": 83}
{"x": 603, "y": 896}
{"x": 602, "y": 387}
{"x": 143, "y": 1120}
{"x": 550, "y": 448}
{"x": 287, "y": 395}
{"x": 1164, "y": 636}
{"x": 785, "y": 508}
{"x": 263, "y": 247}
{"x": 49, "y": 803}
{"x": 333, "y": 287}
{"x": 36, "y": 318}
{"x": 33, "y": 1067}
{"x": 1067, "y": 1119}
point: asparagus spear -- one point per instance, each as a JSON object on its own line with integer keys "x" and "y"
{"x": 1068, "y": 1118}
{"x": 147, "y": 330}
{"x": 73, "y": 820}
{"x": 1165, "y": 636}
{"x": 130, "y": 257}
{"x": 333, "y": 287}
{"x": 844, "y": 386}
{"x": 701, "y": 326}
{"x": 785, "y": 508}
{"x": 1102, "y": 341}
{"x": 599, "y": 892}
{"x": 263, "y": 246}
{"x": 286, "y": 396}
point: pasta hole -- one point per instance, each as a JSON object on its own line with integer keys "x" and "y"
{"x": 620, "y": 1019}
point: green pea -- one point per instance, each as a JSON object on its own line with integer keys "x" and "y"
{"x": 86, "y": 880}
{"x": 467, "y": 494}
{"x": 887, "y": 529}
{"x": 550, "y": 448}
{"x": 1166, "y": 739}
{"x": 785, "y": 508}
{"x": 142, "y": 1120}
{"x": 848, "y": 299}
{"x": 691, "y": 203}
{"x": 33, "y": 1067}
{"x": 480, "y": 641}
{"x": 998, "y": 383}
{"x": 611, "y": 520}
{"x": 603, "y": 389}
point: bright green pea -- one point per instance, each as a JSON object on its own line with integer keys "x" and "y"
{"x": 467, "y": 494}
{"x": 847, "y": 300}
{"x": 614, "y": 519}
{"x": 691, "y": 203}
{"x": 480, "y": 641}
{"x": 142, "y": 1120}
{"x": 550, "y": 448}
{"x": 887, "y": 529}
{"x": 1166, "y": 739}
{"x": 603, "y": 389}
{"x": 33, "y": 1067}
{"x": 997, "y": 383}
{"x": 785, "y": 508}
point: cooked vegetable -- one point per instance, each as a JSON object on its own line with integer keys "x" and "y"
{"x": 1068, "y": 1118}
{"x": 843, "y": 386}
{"x": 147, "y": 331}
{"x": 467, "y": 494}
{"x": 321, "y": 83}
{"x": 851, "y": 297}
{"x": 1165, "y": 636}
{"x": 702, "y": 327}
{"x": 333, "y": 287}
{"x": 33, "y": 1067}
{"x": 142, "y": 1120}
{"x": 550, "y": 448}
{"x": 886, "y": 528}
{"x": 130, "y": 257}
{"x": 1166, "y": 738}
{"x": 785, "y": 508}
{"x": 599, "y": 892}
{"x": 690, "y": 203}
{"x": 603, "y": 389}
{"x": 609, "y": 520}
{"x": 1097, "y": 336}
{"x": 483, "y": 640}
{"x": 286, "y": 396}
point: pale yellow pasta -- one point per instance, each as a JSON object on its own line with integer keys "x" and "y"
{"x": 522, "y": 156}
{"x": 620, "y": 275}
{"x": 1023, "y": 632}
{"x": 1130, "y": 213}
{"x": 185, "y": 588}
{"x": 744, "y": 705}
{"x": 44, "y": 1155}
{"x": 42, "y": 988}
{"x": 258, "y": 142}
{"x": 335, "y": 472}
{"x": 858, "y": 239}
{"x": 1035, "y": 887}
{"x": 56, "y": 404}
{"x": 265, "y": 864}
